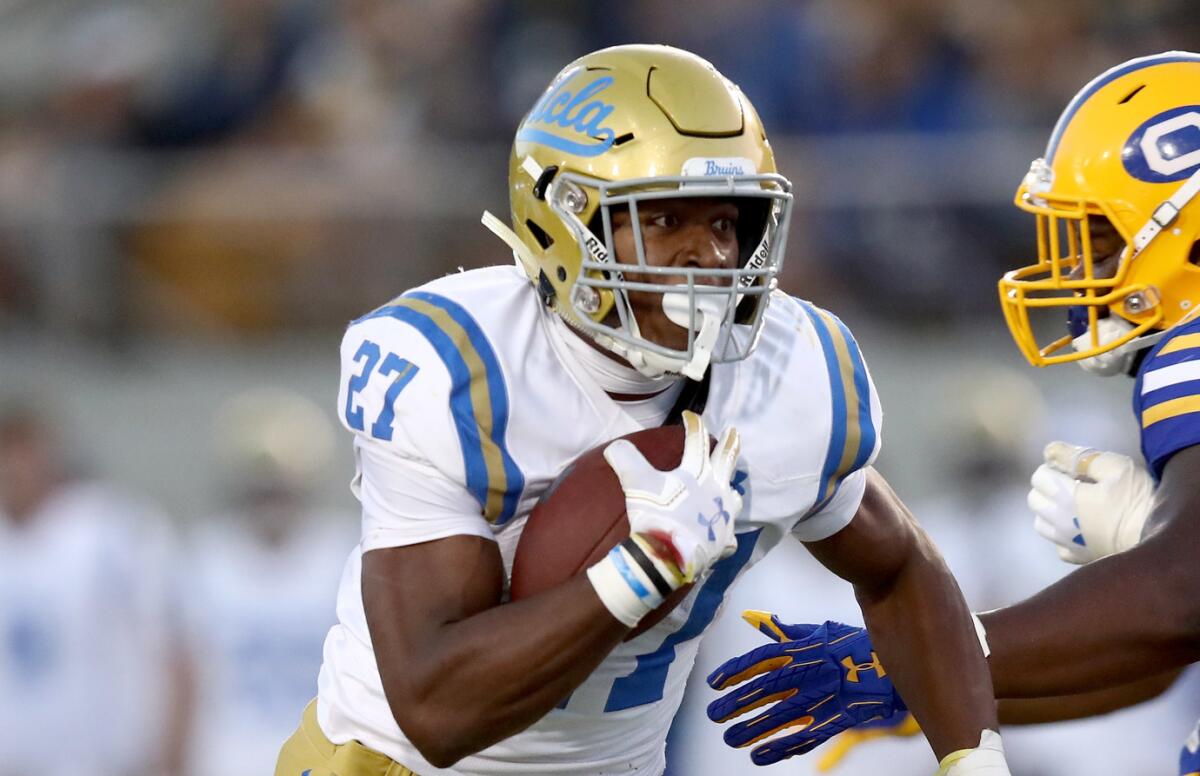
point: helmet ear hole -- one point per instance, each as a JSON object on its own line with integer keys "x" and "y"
{"x": 1194, "y": 254}
{"x": 539, "y": 234}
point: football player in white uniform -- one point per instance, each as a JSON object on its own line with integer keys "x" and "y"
{"x": 91, "y": 668}
{"x": 261, "y": 583}
{"x": 648, "y": 226}
{"x": 1118, "y": 227}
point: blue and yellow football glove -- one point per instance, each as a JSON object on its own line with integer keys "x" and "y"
{"x": 902, "y": 724}
{"x": 820, "y": 678}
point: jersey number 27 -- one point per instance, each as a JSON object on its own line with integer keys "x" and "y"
{"x": 369, "y": 355}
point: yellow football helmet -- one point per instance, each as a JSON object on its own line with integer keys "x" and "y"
{"x": 625, "y": 125}
{"x": 1126, "y": 149}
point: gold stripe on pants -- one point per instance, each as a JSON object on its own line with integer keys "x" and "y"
{"x": 309, "y": 753}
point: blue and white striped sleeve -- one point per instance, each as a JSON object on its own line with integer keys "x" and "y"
{"x": 423, "y": 392}
{"x": 854, "y": 439}
{"x": 1166, "y": 397}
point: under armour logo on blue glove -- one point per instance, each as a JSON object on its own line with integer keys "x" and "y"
{"x": 822, "y": 679}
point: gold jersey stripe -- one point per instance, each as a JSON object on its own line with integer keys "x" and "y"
{"x": 1181, "y": 343}
{"x": 481, "y": 402}
{"x": 1170, "y": 409}
{"x": 853, "y": 429}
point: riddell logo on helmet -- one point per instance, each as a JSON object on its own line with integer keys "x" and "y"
{"x": 575, "y": 111}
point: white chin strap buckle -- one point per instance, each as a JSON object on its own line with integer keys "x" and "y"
{"x": 710, "y": 313}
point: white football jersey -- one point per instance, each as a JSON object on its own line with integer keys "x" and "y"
{"x": 465, "y": 405}
{"x": 86, "y": 592}
{"x": 257, "y": 616}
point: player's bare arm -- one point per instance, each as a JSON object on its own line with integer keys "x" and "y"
{"x": 916, "y": 616}
{"x": 1120, "y": 618}
{"x": 460, "y": 671}
{"x": 1060, "y": 708}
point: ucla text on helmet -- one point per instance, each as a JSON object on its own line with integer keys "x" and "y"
{"x": 561, "y": 110}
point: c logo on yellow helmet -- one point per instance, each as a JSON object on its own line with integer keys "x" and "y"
{"x": 576, "y": 112}
{"x": 1166, "y": 147}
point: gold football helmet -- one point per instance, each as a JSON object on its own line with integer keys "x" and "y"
{"x": 625, "y": 125}
{"x": 1126, "y": 149}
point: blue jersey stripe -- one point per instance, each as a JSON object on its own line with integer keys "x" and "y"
{"x": 839, "y": 461}
{"x": 498, "y": 393}
{"x": 1102, "y": 80}
{"x": 648, "y": 681}
{"x": 1161, "y": 440}
{"x": 1170, "y": 359}
{"x": 460, "y": 393}
{"x": 862, "y": 385}
{"x": 1178, "y": 390}
{"x": 837, "y": 390}
{"x": 1164, "y": 439}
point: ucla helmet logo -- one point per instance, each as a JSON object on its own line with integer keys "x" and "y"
{"x": 1166, "y": 147}
{"x": 580, "y": 113}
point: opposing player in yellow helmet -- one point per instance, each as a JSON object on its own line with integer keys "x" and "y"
{"x": 1117, "y": 217}
{"x": 617, "y": 129}
{"x": 1118, "y": 220}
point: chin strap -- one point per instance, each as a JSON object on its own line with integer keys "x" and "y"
{"x": 678, "y": 310}
{"x": 521, "y": 253}
{"x": 711, "y": 313}
{"x": 1166, "y": 213}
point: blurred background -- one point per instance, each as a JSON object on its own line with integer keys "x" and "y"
{"x": 196, "y": 196}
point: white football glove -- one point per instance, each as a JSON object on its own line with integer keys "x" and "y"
{"x": 987, "y": 759}
{"x": 1089, "y": 503}
{"x": 681, "y": 522}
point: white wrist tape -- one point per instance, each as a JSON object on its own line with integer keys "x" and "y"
{"x": 624, "y": 586}
{"x": 987, "y": 759}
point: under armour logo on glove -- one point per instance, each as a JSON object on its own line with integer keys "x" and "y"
{"x": 818, "y": 679}
{"x": 709, "y": 522}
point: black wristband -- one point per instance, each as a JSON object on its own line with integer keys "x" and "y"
{"x": 635, "y": 551}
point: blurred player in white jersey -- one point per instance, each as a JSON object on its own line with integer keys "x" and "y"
{"x": 90, "y": 672}
{"x": 261, "y": 583}
{"x": 648, "y": 228}
{"x": 1117, "y": 202}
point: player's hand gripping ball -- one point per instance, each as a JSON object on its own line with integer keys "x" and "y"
{"x": 584, "y": 516}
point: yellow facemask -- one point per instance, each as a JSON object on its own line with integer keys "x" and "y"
{"x": 1125, "y": 150}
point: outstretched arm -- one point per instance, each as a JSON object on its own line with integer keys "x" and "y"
{"x": 1060, "y": 708}
{"x": 916, "y": 616}
{"x": 1117, "y": 619}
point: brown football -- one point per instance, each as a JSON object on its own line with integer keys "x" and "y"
{"x": 581, "y": 516}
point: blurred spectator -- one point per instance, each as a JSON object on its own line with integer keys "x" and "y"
{"x": 213, "y": 165}
{"x": 90, "y": 676}
{"x": 262, "y": 584}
